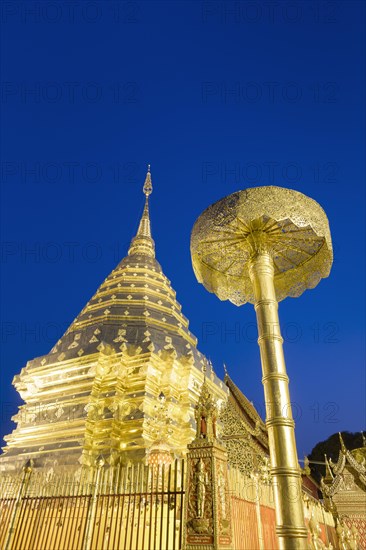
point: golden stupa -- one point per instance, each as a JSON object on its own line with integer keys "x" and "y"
{"x": 95, "y": 392}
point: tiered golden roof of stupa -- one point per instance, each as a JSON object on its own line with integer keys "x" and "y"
{"x": 96, "y": 391}
{"x": 135, "y": 305}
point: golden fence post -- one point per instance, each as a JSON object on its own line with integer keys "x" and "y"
{"x": 92, "y": 509}
{"x": 27, "y": 470}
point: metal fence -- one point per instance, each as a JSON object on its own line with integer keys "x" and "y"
{"x": 121, "y": 508}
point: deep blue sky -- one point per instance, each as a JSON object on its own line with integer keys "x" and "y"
{"x": 217, "y": 96}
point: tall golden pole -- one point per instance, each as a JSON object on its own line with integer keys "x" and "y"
{"x": 261, "y": 245}
{"x": 280, "y": 425}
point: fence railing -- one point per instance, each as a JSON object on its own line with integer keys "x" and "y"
{"x": 136, "y": 507}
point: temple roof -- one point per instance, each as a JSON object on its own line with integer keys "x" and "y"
{"x": 248, "y": 414}
{"x": 352, "y": 461}
{"x": 135, "y": 305}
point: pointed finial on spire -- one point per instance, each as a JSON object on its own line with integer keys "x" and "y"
{"x": 226, "y": 373}
{"x": 343, "y": 447}
{"x": 143, "y": 243}
{"x": 148, "y": 183}
{"x": 306, "y": 469}
{"x": 328, "y": 472}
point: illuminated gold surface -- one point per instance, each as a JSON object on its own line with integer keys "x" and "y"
{"x": 261, "y": 245}
{"x": 291, "y": 226}
{"x": 95, "y": 392}
{"x": 344, "y": 485}
{"x": 285, "y": 469}
{"x": 138, "y": 507}
{"x": 120, "y": 507}
{"x": 93, "y": 401}
{"x": 208, "y": 521}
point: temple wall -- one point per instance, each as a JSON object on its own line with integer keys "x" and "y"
{"x": 253, "y": 515}
{"x": 245, "y": 524}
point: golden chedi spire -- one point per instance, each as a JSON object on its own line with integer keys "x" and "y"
{"x": 143, "y": 243}
{"x": 136, "y": 297}
{"x": 95, "y": 392}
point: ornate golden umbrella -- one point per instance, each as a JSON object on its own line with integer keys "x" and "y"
{"x": 259, "y": 246}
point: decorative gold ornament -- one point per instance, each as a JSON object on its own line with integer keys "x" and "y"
{"x": 207, "y": 517}
{"x": 259, "y": 246}
{"x": 159, "y": 454}
{"x": 289, "y": 226}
